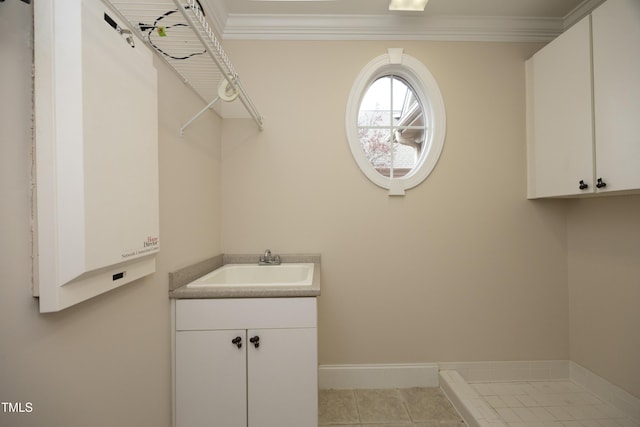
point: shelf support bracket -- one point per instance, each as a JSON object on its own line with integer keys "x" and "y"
{"x": 194, "y": 118}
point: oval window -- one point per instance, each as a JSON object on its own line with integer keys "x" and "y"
{"x": 395, "y": 121}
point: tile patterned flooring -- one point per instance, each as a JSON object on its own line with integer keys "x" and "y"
{"x": 405, "y": 407}
{"x": 546, "y": 404}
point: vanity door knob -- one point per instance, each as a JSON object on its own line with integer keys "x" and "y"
{"x": 601, "y": 183}
{"x": 237, "y": 341}
{"x": 583, "y": 185}
{"x": 255, "y": 341}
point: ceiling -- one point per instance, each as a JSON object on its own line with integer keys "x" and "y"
{"x": 482, "y": 20}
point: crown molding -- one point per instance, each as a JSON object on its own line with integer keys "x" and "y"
{"x": 582, "y": 10}
{"x": 392, "y": 27}
{"x": 379, "y": 27}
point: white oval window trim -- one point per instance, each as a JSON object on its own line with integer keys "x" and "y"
{"x": 424, "y": 84}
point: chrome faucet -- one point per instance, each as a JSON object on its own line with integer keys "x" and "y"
{"x": 268, "y": 259}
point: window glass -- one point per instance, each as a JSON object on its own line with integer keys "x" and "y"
{"x": 391, "y": 126}
{"x": 395, "y": 122}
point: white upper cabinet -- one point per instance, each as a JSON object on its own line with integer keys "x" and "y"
{"x": 583, "y": 101}
{"x": 616, "y": 91}
{"x": 559, "y": 122}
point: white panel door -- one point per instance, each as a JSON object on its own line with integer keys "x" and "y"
{"x": 283, "y": 378}
{"x": 616, "y": 70}
{"x": 559, "y": 115}
{"x": 210, "y": 371}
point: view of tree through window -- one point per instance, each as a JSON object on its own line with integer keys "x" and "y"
{"x": 391, "y": 126}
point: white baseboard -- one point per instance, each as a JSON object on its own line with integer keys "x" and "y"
{"x": 378, "y": 376}
{"x": 526, "y": 370}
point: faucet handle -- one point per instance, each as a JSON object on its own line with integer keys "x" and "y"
{"x": 266, "y": 258}
{"x": 269, "y": 259}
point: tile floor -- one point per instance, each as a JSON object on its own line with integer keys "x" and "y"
{"x": 546, "y": 404}
{"x": 405, "y": 407}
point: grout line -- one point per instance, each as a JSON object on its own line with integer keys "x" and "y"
{"x": 355, "y": 401}
{"x": 405, "y": 405}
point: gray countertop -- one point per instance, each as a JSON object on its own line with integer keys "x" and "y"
{"x": 180, "y": 278}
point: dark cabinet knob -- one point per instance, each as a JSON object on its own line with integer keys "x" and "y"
{"x": 583, "y": 185}
{"x": 237, "y": 341}
{"x": 255, "y": 341}
{"x": 601, "y": 183}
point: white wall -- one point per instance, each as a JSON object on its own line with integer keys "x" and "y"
{"x": 463, "y": 268}
{"x": 104, "y": 362}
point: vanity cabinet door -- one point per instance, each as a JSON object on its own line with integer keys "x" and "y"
{"x": 210, "y": 375}
{"x": 282, "y": 378}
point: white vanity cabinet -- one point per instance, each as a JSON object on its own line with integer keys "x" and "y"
{"x": 583, "y": 104}
{"x": 246, "y": 362}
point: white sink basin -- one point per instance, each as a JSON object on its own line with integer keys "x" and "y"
{"x": 253, "y": 275}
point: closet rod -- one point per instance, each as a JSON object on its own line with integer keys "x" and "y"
{"x": 194, "y": 118}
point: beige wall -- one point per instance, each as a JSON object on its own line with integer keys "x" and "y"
{"x": 105, "y": 362}
{"x": 463, "y": 268}
{"x": 604, "y": 288}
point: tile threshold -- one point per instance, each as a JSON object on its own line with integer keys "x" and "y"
{"x": 546, "y": 403}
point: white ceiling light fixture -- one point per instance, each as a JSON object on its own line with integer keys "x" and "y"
{"x": 408, "y": 5}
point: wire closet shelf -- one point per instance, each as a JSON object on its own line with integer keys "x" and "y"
{"x": 178, "y": 31}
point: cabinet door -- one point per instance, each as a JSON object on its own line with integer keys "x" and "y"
{"x": 210, "y": 376}
{"x": 283, "y": 378}
{"x": 559, "y": 115}
{"x": 616, "y": 76}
